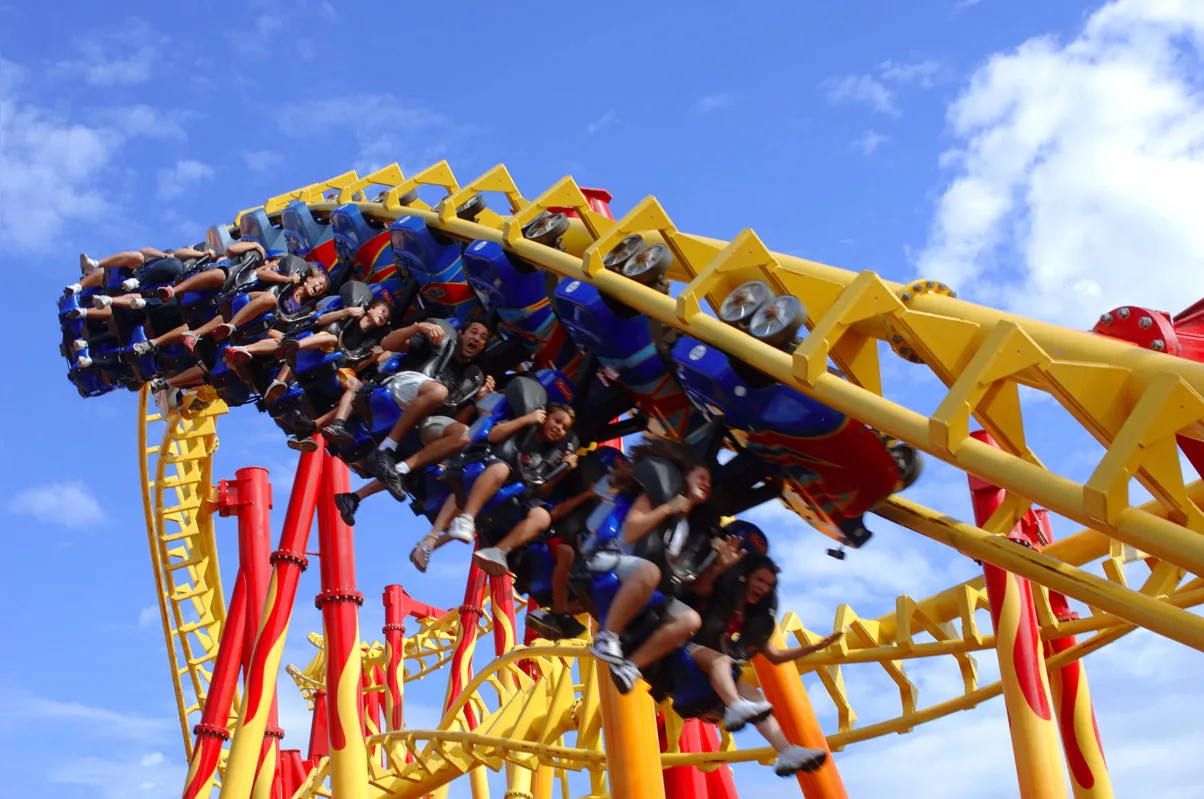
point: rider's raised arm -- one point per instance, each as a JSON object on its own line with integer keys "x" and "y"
{"x": 643, "y": 518}
{"x": 399, "y": 340}
{"x": 503, "y": 430}
{"x": 777, "y": 656}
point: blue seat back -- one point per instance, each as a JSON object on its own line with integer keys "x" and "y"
{"x": 219, "y": 238}
{"x": 255, "y": 226}
{"x": 351, "y": 233}
{"x": 437, "y": 267}
{"x": 302, "y": 233}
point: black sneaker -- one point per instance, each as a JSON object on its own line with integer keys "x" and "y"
{"x": 347, "y": 504}
{"x": 303, "y": 426}
{"x": 380, "y": 465}
{"x": 337, "y": 433}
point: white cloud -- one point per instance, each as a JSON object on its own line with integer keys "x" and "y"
{"x": 394, "y": 131}
{"x": 49, "y": 165}
{"x": 869, "y": 142}
{"x": 148, "y": 616}
{"x": 67, "y": 504}
{"x": 609, "y": 118}
{"x": 260, "y": 161}
{"x": 176, "y": 180}
{"x": 145, "y": 120}
{"x": 1079, "y": 170}
{"x": 153, "y": 759}
{"x": 37, "y": 713}
{"x": 249, "y": 41}
{"x": 860, "y": 89}
{"x": 124, "y": 57}
{"x": 712, "y": 102}
{"x": 922, "y": 73}
{"x": 121, "y": 778}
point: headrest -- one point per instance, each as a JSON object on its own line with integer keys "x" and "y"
{"x": 525, "y": 394}
{"x": 294, "y": 265}
{"x": 354, "y": 293}
{"x": 659, "y": 478}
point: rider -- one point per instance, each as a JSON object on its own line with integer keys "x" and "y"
{"x": 423, "y": 401}
{"x": 539, "y": 435}
{"x": 739, "y": 607}
{"x": 638, "y": 577}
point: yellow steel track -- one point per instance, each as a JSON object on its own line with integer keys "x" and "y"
{"x": 176, "y": 481}
{"x": 1134, "y": 402}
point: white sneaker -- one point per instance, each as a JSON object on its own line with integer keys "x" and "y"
{"x": 625, "y": 676}
{"x": 492, "y": 561}
{"x": 72, "y": 290}
{"x": 87, "y": 265}
{"x": 462, "y": 528}
{"x": 799, "y": 758}
{"x": 745, "y": 711}
{"x": 100, "y": 302}
{"x": 130, "y": 284}
{"x": 80, "y": 344}
{"x": 84, "y": 362}
{"x": 137, "y": 303}
{"x": 402, "y": 468}
{"x": 77, "y": 313}
{"x": 606, "y": 647}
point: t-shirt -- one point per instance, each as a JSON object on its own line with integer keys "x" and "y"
{"x": 353, "y": 336}
{"x": 289, "y": 303}
{"x": 451, "y": 375}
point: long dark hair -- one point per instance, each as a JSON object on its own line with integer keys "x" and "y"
{"x": 678, "y": 453}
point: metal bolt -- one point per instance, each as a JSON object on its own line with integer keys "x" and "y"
{"x": 906, "y": 297}
{"x": 1106, "y": 319}
{"x": 903, "y": 350}
{"x": 1145, "y": 322}
{"x": 917, "y": 287}
{"x": 1158, "y": 345}
{"x": 931, "y": 284}
{"x": 953, "y": 295}
{"x": 942, "y": 287}
{"x": 896, "y": 339}
{"x": 914, "y": 358}
{"x": 1123, "y": 313}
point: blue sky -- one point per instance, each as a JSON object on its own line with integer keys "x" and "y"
{"x": 1044, "y": 157}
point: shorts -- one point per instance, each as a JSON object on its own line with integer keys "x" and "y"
{"x": 404, "y": 387}
{"x": 433, "y": 427}
{"x": 623, "y": 566}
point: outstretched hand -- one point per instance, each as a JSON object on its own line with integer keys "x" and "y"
{"x": 433, "y": 332}
{"x": 727, "y": 551}
{"x": 487, "y": 388}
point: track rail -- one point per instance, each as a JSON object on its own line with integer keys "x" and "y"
{"x": 176, "y": 480}
{"x": 1133, "y": 401}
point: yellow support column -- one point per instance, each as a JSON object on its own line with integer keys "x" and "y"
{"x": 633, "y": 752}
{"x": 783, "y": 688}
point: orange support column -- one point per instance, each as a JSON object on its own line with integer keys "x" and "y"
{"x": 633, "y": 753}
{"x": 288, "y": 562}
{"x": 1026, "y": 693}
{"x": 339, "y": 602}
{"x": 783, "y": 688}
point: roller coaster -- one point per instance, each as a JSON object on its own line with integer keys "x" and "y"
{"x": 771, "y": 364}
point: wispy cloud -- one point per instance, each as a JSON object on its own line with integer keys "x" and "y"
{"x": 249, "y": 42}
{"x": 144, "y": 120}
{"x": 861, "y": 90}
{"x": 609, "y": 118}
{"x": 868, "y": 142}
{"x": 922, "y": 73}
{"x": 50, "y": 167}
{"x": 260, "y": 161}
{"x": 67, "y": 504}
{"x": 27, "y": 710}
{"x": 176, "y": 180}
{"x": 148, "y": 616}
{"x": 712, "y": 102}
{"x": 120, "y": 58}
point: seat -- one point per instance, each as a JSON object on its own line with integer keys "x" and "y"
{"x": 435, "y": 263}
{"x": 219, "y": 238}
{"x": 256, "y": 226}
{"x": 518, "y": 294}
{"x": 306, "y": 236}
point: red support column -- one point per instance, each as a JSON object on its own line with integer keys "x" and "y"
{"x": 466, "y": 640}
{"x": 720, "y": 783}
{"x": 1021, "y": 663}
{"x": 319, "y": 735}
{"x": 339, "y": 603}
{"x": 1089, "y": 777}
{"x": 288, "y": 561}
{"x": 684, "y": 782}
{"x": 211, "y": 732}
{"x": 292, "y": 771}
{"x": 250, "y": 496}
{"x": 395, "y": 613}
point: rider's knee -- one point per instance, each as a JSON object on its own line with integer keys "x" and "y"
{"x": 687, "y": 622}
{"x": 540, "y": 518}
{"x": 433, "y": 390}
{"x": 648, "y": 574}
